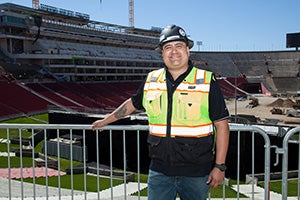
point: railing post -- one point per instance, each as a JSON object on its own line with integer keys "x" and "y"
{"x": 285, "y": 162}
{"x": 267, "y": 153}
{"x": 124, "y": 164}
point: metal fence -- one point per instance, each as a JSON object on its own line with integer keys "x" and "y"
{"x": 19, "y": 140}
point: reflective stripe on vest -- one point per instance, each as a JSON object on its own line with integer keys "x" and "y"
{"x": 199, "y": 131}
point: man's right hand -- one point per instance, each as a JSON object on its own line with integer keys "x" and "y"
{"x": 97, "y": 124}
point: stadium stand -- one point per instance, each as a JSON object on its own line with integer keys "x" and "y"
{"x": 15, "y": 100}
{"x": 72, "y": 62}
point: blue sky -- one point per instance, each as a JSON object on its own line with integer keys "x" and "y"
{"x": 221, "y": 25}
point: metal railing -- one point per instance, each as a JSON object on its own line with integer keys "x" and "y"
{"x": 46, "y": 131}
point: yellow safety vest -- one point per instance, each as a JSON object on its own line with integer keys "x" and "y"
{"x": 190, "y": 115}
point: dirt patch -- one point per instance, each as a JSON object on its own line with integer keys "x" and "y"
{"x": 286, "y": 103}
{"x": 263, "y": 110}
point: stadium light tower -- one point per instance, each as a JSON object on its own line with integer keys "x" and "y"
{"x": 199, "y": 44}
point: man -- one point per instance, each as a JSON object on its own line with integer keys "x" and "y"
{"x": 188, "y": 123}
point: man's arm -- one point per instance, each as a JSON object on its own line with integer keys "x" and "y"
{"x": 126, "y": 108}
{"x": 216, "y": 176}
{"x": 222, "y": 140}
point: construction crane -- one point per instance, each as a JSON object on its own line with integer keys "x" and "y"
{"x": 36, "y": 3}
{"x": 131, "y": 13}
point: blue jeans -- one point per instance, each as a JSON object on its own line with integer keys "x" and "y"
{"x": 162, "y": 187}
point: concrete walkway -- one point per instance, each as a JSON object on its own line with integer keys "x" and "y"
{"x": 118, "y": 191}
{"x": 259, "y": 192}
{"x": 17, "y": 191}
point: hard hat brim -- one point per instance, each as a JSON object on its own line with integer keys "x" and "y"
{"x": 190, "y": 44}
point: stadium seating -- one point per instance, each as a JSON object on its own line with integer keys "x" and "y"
{"x": 15, "y": 100}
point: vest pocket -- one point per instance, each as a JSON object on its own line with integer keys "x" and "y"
{"x": 157, "y": 148}
{"x": 192, "y": 150}
{"x": 153, "y": 103}
{"x": 188, "y": 106}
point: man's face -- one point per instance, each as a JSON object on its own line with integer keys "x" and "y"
{"x": 176, "y": 54}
